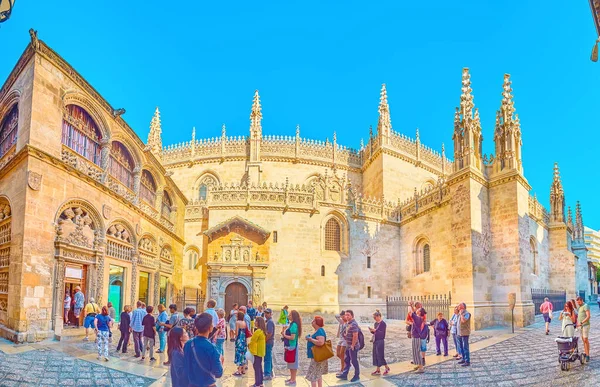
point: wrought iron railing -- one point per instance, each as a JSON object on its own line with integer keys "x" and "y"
{"x": 397, "y": 307}
{"x": 556, "y": 297}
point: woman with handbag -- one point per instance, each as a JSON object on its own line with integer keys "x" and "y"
{"x": 318, "y": 350}
{"x": 379, "y": 344}
{"x": 291, "y": 349}
{"x": 241, "y": 346}
{"x": 258, "y": 347}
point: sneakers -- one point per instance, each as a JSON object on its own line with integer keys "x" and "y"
{"x": 152, "y": 359}
{"x": 105, "y": 358}
{"x": 439, "y": 354}
{"x": 342, "y": 376}
{"x": 268, "y": 377}
{"x": 462, "y": 362}
{"x": 465, "y": 364}
{"x": 419, "y": 371}
{"x": 355, "y": 379}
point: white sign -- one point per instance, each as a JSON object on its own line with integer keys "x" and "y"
{"x": 74, "y": 272}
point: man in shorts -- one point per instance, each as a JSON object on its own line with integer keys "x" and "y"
{"x": 546, "y": 309}
{"x": 583, "y": 322}
{"x": 78, "y": 303}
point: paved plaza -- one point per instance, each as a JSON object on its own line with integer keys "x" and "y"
{"x": 528, "y": 357}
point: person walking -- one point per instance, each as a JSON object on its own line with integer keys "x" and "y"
{"x": 162, "y": 318}
{"x": 177, "y": 339}
{"x": 201, "y": 361}
{"x": 352, "y": 348}
{"x": 378, "y": 332}
{"x": 112, "y": 313}
{"x": 220, "y": 336}
{"x": 78, "y": 303}
{"x": 232, "y": 320}
{"x": 173, "y": 320}
{"x": 341, "y": 342}
{"x": 90, "y": 312}
{"x": 583, "y": 322}
{"x": 66, "y": 307}
{"x": 546, "y": 309}
{"x": 102, "y": 325}
{"x": 440, "y": 330}
{"x": 270, "y": 342}
{"x": 454, "y": 320}
{"x": 316, "y": 369}
{"x": 241, "y": 345}
{"x": 292, "y": 334}
{"x": 283, "y": 316}
{"x": 258, "y": 347}
{"x": 124, "y": 328}
{"x": 464, "y": 332}
{"x": 149, "y": 333}
{"x": 568, "y": 318}
{"x": 137, "y": 328}
{"x": 417, "y": 329}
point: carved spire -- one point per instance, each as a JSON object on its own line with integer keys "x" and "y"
{"x": 570, "y": 219}
{"x": 467, "y": 129}
{"x": 154, "y": 137}
{"x": 223, "y": 131}
{"x": 508, "y": 132}
{"x": 578, "y": 233}
{"x": 256, "y": 117}
{"x": 193, "y": 142}
{"x": 384, "y": 124}
{"x": 298, "y": 131}
{"x": 557, "y": 198}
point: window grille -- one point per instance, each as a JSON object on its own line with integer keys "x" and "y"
{"x": 166, "y": 205}
{"x": 8, "y": 130}
{"x": 274, "y": 236}
{"x": 333, "y": 235}
{"x": 80, "y": 133}
{"x": 426, "y": 258}
{"x": 148, "y": 188}
{"x": 121, "y": 164}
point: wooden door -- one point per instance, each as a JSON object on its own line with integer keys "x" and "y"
{"x": 235, "y": 293}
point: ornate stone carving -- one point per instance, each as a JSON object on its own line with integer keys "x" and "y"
{"x": 34, "y": 180}
{"x": 257, "y": 293}
{"x": 138, "y": 229}
{"x": 75, "y": 226}
{"x": 106, "y": 210}
{"x": 214, "y": 289}
{"x": 4, "y": 211}
{"x": 148, "y": 245}
{"x": 119, "y": 232}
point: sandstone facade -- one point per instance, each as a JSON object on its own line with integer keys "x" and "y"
{"x": 282, "y": 219}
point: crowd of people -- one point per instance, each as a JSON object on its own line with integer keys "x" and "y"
{"x": 575, "y": 315}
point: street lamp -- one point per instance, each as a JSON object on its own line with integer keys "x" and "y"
{"x": 6, "y": 7}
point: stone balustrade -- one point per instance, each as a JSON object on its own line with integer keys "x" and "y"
{"x": 537, "y": 211}
{"x": 71, "y": 158}
{"x": 421, "y": 201}
{"x": 147, "y": 260}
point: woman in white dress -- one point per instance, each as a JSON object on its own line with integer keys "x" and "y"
{"x": 567, "y": 316}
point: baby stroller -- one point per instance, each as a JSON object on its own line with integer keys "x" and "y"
{"x": 568, "y": 351}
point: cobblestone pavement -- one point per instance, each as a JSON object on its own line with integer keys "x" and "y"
{"x": 530, "y": 359}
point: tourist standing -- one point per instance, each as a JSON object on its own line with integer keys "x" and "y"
{"x": 241, "y": 345}
{"x": 251, "y": 313}
{"x": 112, "y": 313}
{"x": 259, "y": 311}
{"x": 232, "y": 320}
{"x": 270, "y": 342}
{"x": 202, "y": 363}
{"x": 583, "y": 322}
{"x": 257, "y": 347}
{"x": 417, "y": 328}
{"x": 137, "y": 328}
{"x": 177, "y": 339}
{"x": 440, "y": 330}
{"x": 149, "y": 333}
{"x": 173, "y": 320}
{"x": 292, "y": 334}
{"x": 124, "y": 328}
{"x": 162, "y": 318}
{"x": 246, "y": 317}
{"x": 454, "y": 320}
{"x": 66, "y": 307}
{"x": 102, "y": 324}
{"x": 464, "y": 332}
{"x": 220, "y": 335}
{"x": 352, "y": 348}
{"x": 90, "y": 312}
{"x": 341, "y": 343}
{"x": 546, "y": 309}
{"x": 378, "y": 332}
{"x": 210, "y": 309}
{"x": 316, "y": 369}
{"x": 78, "y": 303}
{"x": 283, "y": 316}
{"x": 568, "y": 318}
{"x": 187, "y": 323}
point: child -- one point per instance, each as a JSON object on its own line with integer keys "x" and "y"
{"x": 440, "y": 329}
{"x": 220, "y": 336}
{"x": 112, "y": 313}
{"x": 149, "y": 333}
{"x": 258, "y": 347}
{"x": 124, "y": 328}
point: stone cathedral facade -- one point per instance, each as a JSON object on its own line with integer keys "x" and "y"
{"x": 283, "y": 219}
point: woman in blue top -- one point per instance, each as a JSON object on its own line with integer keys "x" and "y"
{"x": 316, "y": 369}
{"x": 103, "y": 324}
{"x": 177, "y": 339}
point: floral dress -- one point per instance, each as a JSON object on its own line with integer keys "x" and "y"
{"x": 240, "y": 348}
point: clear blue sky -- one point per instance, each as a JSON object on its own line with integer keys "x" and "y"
{"x": 321, "y": 65}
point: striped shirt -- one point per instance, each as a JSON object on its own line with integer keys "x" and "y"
{"x": 136, "y": 320}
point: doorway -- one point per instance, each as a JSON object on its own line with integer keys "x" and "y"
{"x": 116, "y": 280}
{"x": 75, "y": 275}
{"x": 235, "y": 293}
{"x": 144, "y": 285}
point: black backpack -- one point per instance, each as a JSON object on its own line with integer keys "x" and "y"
{"x": 361, "y": 339}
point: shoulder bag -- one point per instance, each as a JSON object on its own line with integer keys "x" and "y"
{"x": 323, "y": 352}
{"x": 289, "y": 355}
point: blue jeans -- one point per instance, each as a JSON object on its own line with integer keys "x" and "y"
{"x": 162, "y": 339}
{"x": 351, "y": 357}
{"x": 219, "y": 346}
{"x": 456, "y": 343}
{"x": 464, "y": 348}
{"x": 269, "y": 360}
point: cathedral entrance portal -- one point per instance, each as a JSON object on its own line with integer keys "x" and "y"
{"x": 235, "y": 293}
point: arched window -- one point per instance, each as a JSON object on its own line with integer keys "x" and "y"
{"x": 534, "y": 254}
{"x": 166, "y": 205}
{"x": 121, "y": 164}
{"x": 333, "y": 235}
{"x": 192, "y": 259}
{"x": 8, "y": 129}
{"x": 203, "y": 192}
{"x": 80, "y": 133}
{"x": 148, "y": 188}
{"x": 422, "y": 257}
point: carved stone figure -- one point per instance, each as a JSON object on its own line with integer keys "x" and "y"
{"x": 34, "y": 180}
{"x": 215, "y": 288}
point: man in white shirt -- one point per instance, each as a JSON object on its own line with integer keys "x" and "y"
{"x": 210, "y": 309}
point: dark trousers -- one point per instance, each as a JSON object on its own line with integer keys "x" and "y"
{"x": 351, "y": 357}
{"x": 137, "y": 343}
{"x": 124, "y": 341}
{"x": 444, "y": 340}
{"x": 258, "y": 371}
{"x": 463, "y": 342}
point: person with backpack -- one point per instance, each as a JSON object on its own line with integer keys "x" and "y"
{"x": 355, "y": 341}
{"x": 173, "y": 320}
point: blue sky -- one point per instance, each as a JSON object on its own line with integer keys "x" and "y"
{"x": 321, "y": 65}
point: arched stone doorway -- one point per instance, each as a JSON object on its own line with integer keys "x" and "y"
{"x": 235, "y": 292}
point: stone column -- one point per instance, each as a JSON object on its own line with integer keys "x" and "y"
{"x": 137, "y": 173}
{"x": 58, "y": 301}
{"x": 157, "y": 289}
{"x": 99, "y": 279}
{"x": 134, "y": 279}
{"x": 158, "y": 203}
{"x": 104, "y": 157}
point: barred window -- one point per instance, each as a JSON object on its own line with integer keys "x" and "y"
{"x": 148, "y": 188}
{"x": 8, "y": 129}
{"x": 422, "y": 257}
{"x": 121, "y": 164}
{"x": 80, "y": 133}
{"x": 166, "y": 205}
{"x": 426, "y": 258}
{"x": 333, "y": 235}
